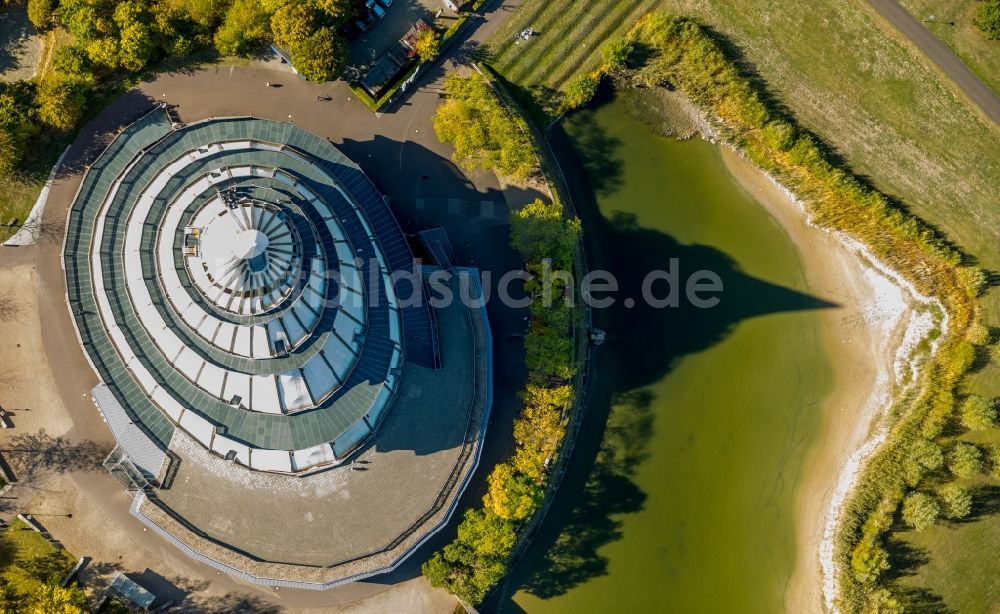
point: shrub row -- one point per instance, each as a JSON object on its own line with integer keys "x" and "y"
{"x": 677, "y": 51}
{"x": 477, "y": 559}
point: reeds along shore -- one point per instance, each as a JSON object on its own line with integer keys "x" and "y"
{"x": 676, "y": 51}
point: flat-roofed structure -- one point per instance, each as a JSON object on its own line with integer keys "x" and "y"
{"x": 255, "y": 316}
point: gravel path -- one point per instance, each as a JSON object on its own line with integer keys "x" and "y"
{"x": 21, "y": 47}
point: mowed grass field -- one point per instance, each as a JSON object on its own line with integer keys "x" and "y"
{"x": 567, "y": 41}
{"x": 841, "y": 71}
{"x": 965, "y": 39}
{"x": 851, "y": 79}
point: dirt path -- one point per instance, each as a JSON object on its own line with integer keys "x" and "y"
{"x": 21, "y": 47}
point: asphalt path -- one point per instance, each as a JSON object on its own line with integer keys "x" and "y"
{"x": 941, "y": 55}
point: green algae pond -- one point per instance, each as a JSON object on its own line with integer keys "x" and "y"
{"x": 680, "y": 493}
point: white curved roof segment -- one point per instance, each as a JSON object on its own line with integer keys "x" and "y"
{"x": 263, "y": 290}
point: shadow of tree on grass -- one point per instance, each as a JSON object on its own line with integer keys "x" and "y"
{"x": 904, "y": 558}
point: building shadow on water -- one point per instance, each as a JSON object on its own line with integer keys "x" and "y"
{"x": 644, "y": 344}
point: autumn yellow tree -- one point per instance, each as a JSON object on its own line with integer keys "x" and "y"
{"x": 428, "y": 45}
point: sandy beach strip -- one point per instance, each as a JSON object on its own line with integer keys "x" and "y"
{"x": 869, "y": 339}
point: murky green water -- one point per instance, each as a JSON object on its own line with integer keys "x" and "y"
{"x": 680, "y": 498}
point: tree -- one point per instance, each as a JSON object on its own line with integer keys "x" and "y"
{"x": 244, "y": 29}
{"x": 957, "y": 501}
{"x": 994, "y": 457}
{"x": 491, "y": 534}
{"x": 616, "y": 53}
{"x": 40, "y": 13}
{"x": 924, "y": 455}
{"x": 71, "y": 60}
{"x": 321, "y": 57}
{"x": 579, "y": 91}
{"x": 16, "y": 124}
{"x": 206, "y": 13}
{"x": 336, "y": 11}
{"x": 292, "y": 24}
{"x": 473, "y": 563}
{"x": 965, "y": 460}
{"x": 549, "y": 352}
{"x": 81, "y": 18}
{"x": 178, "y": 33}
{"x": 920, "y": 510}
{"x": 511, "y": 496}
{"x": 484, "y": 134}
{"x": 882, "y": 601}
{"x": 978, "y": 414}
{"x": 988, "y": 18}
{"x": 539, "y": 230}
{"x": 61, "y": 99}
{"x": 927, "y": 453}
{"x": 103, "y": 52}
{"x": 135, "y": 44}
{"x": 428, "y": 45}
{"x": 539, "y": 429}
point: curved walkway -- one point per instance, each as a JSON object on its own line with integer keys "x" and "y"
{"x": 941, "y": 55}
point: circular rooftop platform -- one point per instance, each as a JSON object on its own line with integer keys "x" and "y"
{"x": 231, "y": 278}
{"x": 284, "y": 411}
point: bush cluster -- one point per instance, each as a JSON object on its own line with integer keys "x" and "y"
{"x": 987, "y": 18}
{"x": 484, "y": 133}
{"x": 477, "y": 560}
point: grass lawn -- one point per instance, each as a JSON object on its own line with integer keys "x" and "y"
{"x": 956, "y": 569}
{"x": 883, "y": 108}
{"x": 16, "y": 199}
{"x": 978, "y": 53}
{"x": 27, "y": 556}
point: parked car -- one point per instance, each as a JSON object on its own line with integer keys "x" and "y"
{"x": 375, "y": 9}
{"x": 385, "y": 3}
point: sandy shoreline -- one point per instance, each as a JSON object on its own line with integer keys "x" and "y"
{"x": 868, "y": 340}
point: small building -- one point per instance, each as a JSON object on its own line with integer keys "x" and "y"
{"x": 135, "y": 596}
{"x": 399, "y": 57}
